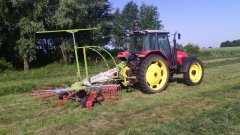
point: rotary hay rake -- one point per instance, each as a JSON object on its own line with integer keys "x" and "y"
{"x": 87, "y": 96}
{"x": 90, "y": 90}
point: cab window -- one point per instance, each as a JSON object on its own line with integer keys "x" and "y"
{"x": 163, "y": 44}
{"x": 152, "y": 42}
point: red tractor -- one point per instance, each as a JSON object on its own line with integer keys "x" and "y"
{"x": 151, "y": 61}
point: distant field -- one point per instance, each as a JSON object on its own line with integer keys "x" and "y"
{"x": 220, "y": 49}
{"x": 210, "y": 108}
{"x": 215, "y": 53}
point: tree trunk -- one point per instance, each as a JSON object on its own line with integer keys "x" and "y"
{"x": 64, "y": 52}
{"x": 25, "y": 64}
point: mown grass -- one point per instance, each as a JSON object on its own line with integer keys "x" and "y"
{"x": 210, "y": 108}
{"x": 52, "y": 75}
{"x": 223, "y": 119}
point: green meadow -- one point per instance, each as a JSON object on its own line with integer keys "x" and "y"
{"x": 210, "y": 108}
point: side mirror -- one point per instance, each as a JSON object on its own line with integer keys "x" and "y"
{"x": 179, "y": 36}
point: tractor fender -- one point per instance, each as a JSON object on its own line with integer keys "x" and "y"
{"x": 158, "y": 52}
{"x": 123, "y": 56}
{"x": 186, "y": 62}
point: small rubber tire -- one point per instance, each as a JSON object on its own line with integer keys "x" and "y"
{"x": 144, "y": 65}
{"x": 62, "y": 94}
{"x": 99, "y": 98}
{"x": 84, "y": 101}
{"x": 187, "y": 75}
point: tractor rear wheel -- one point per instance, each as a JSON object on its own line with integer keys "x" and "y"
{"x": 195, "y": 72}
{"x": 153, "y": 74}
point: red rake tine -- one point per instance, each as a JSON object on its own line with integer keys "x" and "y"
{"x": 60, "y": 103}
{"x": 71, "y": 94}
{"x": 47, "y": 96}
{"x": 40, "y": 92}
{"x": 48, "y": 87}
{"x": 37, "y": 92}
{"x": 90, "y": 100}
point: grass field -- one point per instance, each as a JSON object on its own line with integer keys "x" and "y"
{"x": 216, "y": 53}
{"x": 210, "y": 108}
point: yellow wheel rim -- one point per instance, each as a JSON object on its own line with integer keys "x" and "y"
{"x": 156, "y": 75}
{"x": 195, "y": 72}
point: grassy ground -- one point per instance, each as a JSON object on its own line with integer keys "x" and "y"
{"x": 210, "y": 108}
{"x": 216, "y": 53}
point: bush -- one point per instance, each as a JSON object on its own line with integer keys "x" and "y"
{"x": 192, "y": 49}
{"x": 4, "y": 65}
{"x": 180, "y": 47}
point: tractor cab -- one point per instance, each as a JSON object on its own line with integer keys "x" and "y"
{"x": 146, "y": 42}
{"x": 149, "y": 40}
{"x": 143, "y": 43}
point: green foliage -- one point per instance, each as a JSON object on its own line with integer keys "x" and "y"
{"x": 192, "y": 49}
{"x": 4, "y": 65}
{"x": 180, "y": 47}
{"x": 26, "y": 43}
{"x": 25, "y": 15}
{"x": 125, "y": 21}
{"x": 234, "y": 43}
{"x": 149, "y": 17}
{"x": 119, "y": 36}
{"x": 31, "y": 16}
{"x": 129, "y": 16}
{"x": 26, "y": 49}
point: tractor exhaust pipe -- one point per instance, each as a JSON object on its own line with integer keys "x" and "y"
{"x": 175, "y": 48}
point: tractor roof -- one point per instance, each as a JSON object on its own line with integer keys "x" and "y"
{"x": 150, "y": 31}
{"x": 155, "y": 31}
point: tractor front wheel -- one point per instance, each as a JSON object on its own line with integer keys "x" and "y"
{"x": 153, "y": 74}
{"x": 195, "y": 72}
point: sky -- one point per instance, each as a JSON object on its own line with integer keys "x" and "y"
{"x": 206, "y": 23}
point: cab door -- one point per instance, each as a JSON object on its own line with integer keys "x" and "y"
{"x": 163, "y": 44}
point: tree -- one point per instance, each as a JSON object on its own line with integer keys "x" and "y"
{"x": 233, "y": 43}
{"x": 31, "y": 16}
{"x": 192, "y": 49}
{"x": 75, "y": 14}
{"x": 225, "y": 44}
{"x": 8, "y": 36}
{"x": 4, "y": 65}
{"x": 149, "y": 17}
{"x": 25, "y": 16}
{"x": 126, "y": 20}
{"x": 129, "y": 16}
{"x": 119, "y": 34}
{"x": 123, "y": 23}
{"x": 180, "y": 47}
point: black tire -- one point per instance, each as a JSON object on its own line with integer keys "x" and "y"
{"x": 81, "y": 94}
{"x": 187, "y": 75}
{"x": 62, "y": 94}
{"x": 99, "y": 98}
{"x": 145, "y": 64}
{"x": 84, "y": 101}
